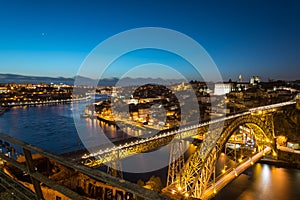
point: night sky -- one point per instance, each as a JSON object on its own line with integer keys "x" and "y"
{"x": 53, "y": 37}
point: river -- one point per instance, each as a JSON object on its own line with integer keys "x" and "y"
{"x": 52, "y": 127}
{"x": 263, "y": 182}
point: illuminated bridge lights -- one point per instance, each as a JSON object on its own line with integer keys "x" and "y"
{"x": 179, "y": 188}
{"x": 186, "y": 132}
{"x": 240, "y": 159}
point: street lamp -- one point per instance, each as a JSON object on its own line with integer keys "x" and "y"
{"x": 179, "y": 188}
{"x": 224, "y": 169}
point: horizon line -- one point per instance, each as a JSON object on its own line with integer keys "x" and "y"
{"x": 116, "y": 78}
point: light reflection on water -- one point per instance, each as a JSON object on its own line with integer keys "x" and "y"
{"x": 52, "y": 127}
{"x": 263, "y": 182}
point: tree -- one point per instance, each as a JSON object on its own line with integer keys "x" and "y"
{"x": 141, "y": 182}
{"x": 154, "y": 184}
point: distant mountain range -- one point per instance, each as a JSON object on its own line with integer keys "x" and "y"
{"x": 16, "y": 78}
{"x": 80, "y": 80}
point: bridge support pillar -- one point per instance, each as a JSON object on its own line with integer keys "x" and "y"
{"x": 176, "y": 160}
{"x": 114, "y": 167}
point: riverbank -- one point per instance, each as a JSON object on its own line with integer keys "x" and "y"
{"x": 109, "y": 122}
{"x": 279, "y": 163}
{"x": 284, "y": 160}
{"x": 50, "y": 102}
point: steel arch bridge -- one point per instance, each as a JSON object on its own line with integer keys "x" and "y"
{"x": 102, "y": 156}
{"x": 195, "y": 176}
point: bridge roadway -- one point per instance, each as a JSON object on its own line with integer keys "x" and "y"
{"x": 233, "y": 173}
{"x": 287, "y": 149}
{"x": 100, "y": 157}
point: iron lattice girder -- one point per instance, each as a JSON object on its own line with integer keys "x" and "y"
{"x": 198, "y": 160}
{"x": 129, "y": 151}
{"x": 143, "y": 147}
{"x": 200, "y": 166}
{"x": 176, "y": 160}
{"x": 114, "y": 167}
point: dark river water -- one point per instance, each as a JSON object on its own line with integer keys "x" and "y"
{"x": 263, "y": 182}
{"x": 52, "y": 127}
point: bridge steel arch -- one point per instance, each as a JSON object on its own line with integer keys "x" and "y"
{"x": 196, "y": 175}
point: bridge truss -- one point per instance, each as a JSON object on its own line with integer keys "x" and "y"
{"x": 199, "y": 170}
{"x": 193, "y": 177}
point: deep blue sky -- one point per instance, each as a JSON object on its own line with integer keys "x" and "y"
{"x": 53, "y": 37}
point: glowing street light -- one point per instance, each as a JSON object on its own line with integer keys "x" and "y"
{"x": 240, "y": 159}
{"x": 179, "y": 188}
{"x": 235, "y": 173}
{"x": 260, "y": 112}
{"x": 223, "y": 171}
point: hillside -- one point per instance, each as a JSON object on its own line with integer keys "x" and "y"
{"x": 287, "y": 123}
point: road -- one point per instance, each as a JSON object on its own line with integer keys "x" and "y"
{"x": 288, "y": 149}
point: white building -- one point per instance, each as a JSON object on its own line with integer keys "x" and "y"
{"x": 223, "y": 88}
{"x": 3, "y": 89}
{"x": 254, "y": 80}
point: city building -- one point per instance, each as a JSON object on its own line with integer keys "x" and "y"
{"x": 223, "y": 88}
{"x": 254, "y": 80}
